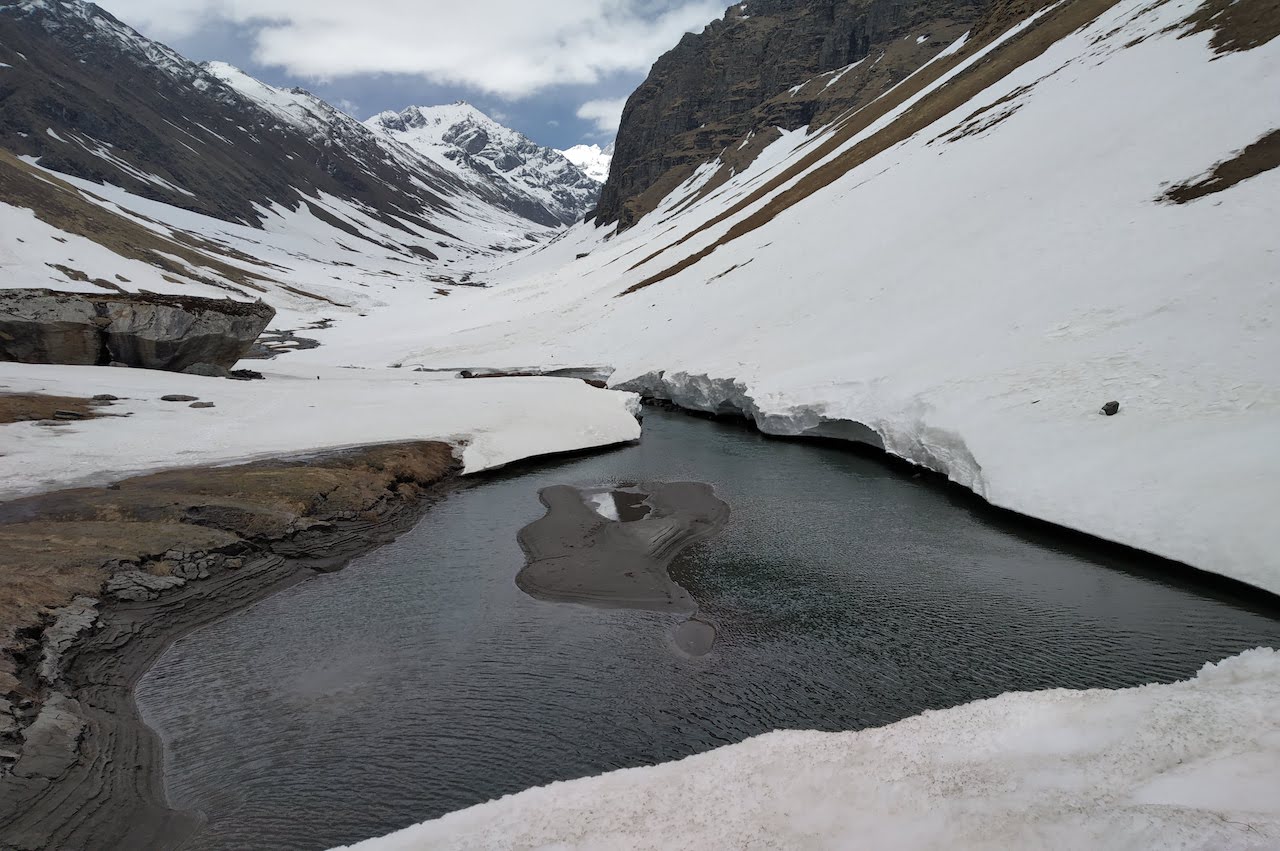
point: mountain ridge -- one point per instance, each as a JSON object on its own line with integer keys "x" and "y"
{"x": 538, "y": 181}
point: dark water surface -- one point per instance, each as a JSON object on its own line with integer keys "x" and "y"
{"x": 421, "y": 679}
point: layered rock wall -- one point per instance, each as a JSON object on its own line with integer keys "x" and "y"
{"x": 143, "y": 330}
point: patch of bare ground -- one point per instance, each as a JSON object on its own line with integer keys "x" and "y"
{"x": 1061, "y": 21}
{"x": 1236, "y": 24}
{"x": 36, "y": 407}
{"x": 1263, "y": 155}
{"x": 61, "y": 205}
{"x": 96, "y": 582}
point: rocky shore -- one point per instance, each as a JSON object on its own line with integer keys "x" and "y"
{"x": 96, "y": 582}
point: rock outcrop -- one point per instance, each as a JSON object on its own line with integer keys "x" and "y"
{"x": 747, "y": 73}
{"x": 141, "y": 330}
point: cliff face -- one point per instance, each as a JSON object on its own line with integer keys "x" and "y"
{"x": 740, "y": 75}
{"x": 145, "y": 330}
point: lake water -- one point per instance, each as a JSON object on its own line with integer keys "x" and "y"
{"x": 842, "y": 595}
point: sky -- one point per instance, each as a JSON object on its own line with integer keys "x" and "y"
{"x": 558, "y": 71}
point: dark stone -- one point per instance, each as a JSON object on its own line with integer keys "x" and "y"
{"x": 201, "y": 405}
{"x": 207, "y": 370}
{"x": 246, "y": 375}
{"x": 106, "y": 397}
{"x": 68, "y": 415}
{"x": 1110, "y": 409}
{"x": 178, "y": 397}
{"x": 142, "y": 330}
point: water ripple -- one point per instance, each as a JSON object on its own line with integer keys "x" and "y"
{"x": 421, "y": 680}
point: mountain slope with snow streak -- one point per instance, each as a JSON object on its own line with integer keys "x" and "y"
{"x": 965, "y": 271}
{"x": 539, "y": 182}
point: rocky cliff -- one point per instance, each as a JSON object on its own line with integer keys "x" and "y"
{"x": 766, "y": 64}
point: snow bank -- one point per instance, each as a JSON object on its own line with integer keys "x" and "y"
{"x": 1189, "y": 765}
{"x": 494, "y": 421}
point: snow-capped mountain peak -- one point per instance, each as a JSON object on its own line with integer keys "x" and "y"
{"x": 485, "y": 153}
{"x": 593, "y": 160}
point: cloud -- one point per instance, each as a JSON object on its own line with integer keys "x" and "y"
{"x": 605, "y": 114}
{"x": 508, "y": 48}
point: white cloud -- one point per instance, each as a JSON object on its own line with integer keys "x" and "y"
{"x": 606, "y": 114}
{"x": 509, "y": 48}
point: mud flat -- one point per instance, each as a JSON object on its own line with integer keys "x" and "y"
{"x": 96, "y": 582}
{"x": 613, "y": 546}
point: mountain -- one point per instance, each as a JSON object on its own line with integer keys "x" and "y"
{"x": 87, "y": 97}
{"x": 768, "y": 65}
{"x": 538, "y": 182}
{"x": 966, "y": 269}
{"x": 591, "y": 159}
{"x": 199, "y": 179}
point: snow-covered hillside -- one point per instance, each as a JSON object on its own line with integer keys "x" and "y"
{"x": 538, "y": 181}
{"x": 591, "y": 159}
{"x": 965, "y": 272}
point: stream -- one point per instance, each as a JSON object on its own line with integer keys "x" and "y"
{"x": 837, "y": 594}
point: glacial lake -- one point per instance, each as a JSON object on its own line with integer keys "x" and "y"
{"x": 842, "y": 594}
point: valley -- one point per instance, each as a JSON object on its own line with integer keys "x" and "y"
{"x": 902, "y": 378}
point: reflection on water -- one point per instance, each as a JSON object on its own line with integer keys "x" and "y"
{"x": 839, "y": 595}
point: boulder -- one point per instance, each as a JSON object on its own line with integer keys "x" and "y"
{"x": 144, "y": 330}
{"x": 1110, "y": 409}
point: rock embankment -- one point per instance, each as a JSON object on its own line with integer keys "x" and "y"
{"x": 96, "y": 582}
{"x": 141, "y": 330}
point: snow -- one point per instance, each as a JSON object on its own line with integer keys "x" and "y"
{"x": 592, "y": 160}
{"x": 836, "y": 75}
{"x": 289, "y": 106}
{"x": 952, "y": 48}
{"x": 294, "y": 252}
{"x": 1188, "y": 765}
{"x": 605, "y": 505}
{"x": 489, "y": 157}
{"x": 1047, "y": 286}
{"x": 298, "y": 408}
